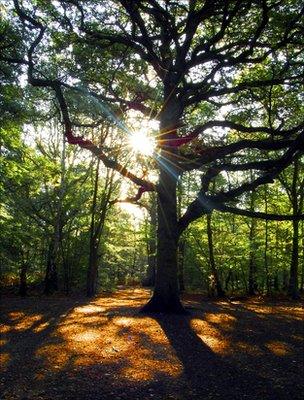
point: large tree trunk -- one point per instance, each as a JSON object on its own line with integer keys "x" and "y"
{"x": 181, "y": 259}
{"x": 166, "y": 291}
{"x": 149, "y": 279}
{"x": 181, "y": 244}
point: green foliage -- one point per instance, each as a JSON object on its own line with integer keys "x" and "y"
{"x": 42, "y": 182}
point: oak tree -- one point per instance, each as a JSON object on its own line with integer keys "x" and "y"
{"x": 216, "y": 74}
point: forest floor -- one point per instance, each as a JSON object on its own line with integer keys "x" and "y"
{"x": 75, "y": 348}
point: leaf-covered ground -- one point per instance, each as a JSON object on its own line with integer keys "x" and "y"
{"x": 60, "y": 348}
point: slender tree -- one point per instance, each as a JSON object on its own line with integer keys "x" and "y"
{"x": 295, "y": 192}
{"x": 99, "y": 210}
{"x": 216, "y": 283}
{"x": 252, "y": 267}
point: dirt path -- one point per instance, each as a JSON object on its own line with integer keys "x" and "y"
{"x": 58, "y": 348}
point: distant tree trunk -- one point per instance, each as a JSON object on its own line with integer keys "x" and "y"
{"x": 51, "y": 280}
{"x": 1, "y": 279}
{"x": 98, "y": 217}
{"x": 215, "y": 281}
{"x": 93, "y": 248}
{"x": 268, "y": 282}
{"x": 295, "y": 192}
{"x": 244, "y": 277}
{"x": 68, "y": 260}
{"x": 228, "y": 279}
{"x": 51, "y": 277}
{"x": 23, "y": 278}
{"x": 67, "y": 275}
{"x": 132, "y": 268}
{"x": 293, "y": 289}
{"x": 294, "y": 264}
{"x": 285, "y": 280}
{"x": 276, "y": 281}
{"x": 302, "y": 274}
{"x": 252, "y": 268}
{"x": 92, "y": 273}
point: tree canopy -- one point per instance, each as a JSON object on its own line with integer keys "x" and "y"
{"x": 224, "y": 79}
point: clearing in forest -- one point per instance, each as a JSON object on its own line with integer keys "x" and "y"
{"x": 68, "y": 348}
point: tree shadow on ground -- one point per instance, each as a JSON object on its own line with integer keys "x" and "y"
{"x": 214, "y": 376}
{"x": 104, "y": 349}
{"x": 27, "y": 325}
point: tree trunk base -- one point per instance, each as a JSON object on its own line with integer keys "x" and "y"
{"x": 22, "y": 292}
{"x": 294, "y": 295}
{"x": 158, "y": 304}
{"x": 221, "y": 295}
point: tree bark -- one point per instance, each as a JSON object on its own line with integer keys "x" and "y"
{"x": 181, "y": 258}
{"x": 23, "y": 279}
{"x": 166, "y": 291}
{"x": 302, "y": 272}
{"x": 93, "y": 249}
{"x": 92, "y": 273}
{"x": 98, "y": 216}
{"x": 149, "y": 279}
{"x": 294, "y": 263}
{"x": 268, "y": 281}
{"x": 182, "y": 242}
{"x": 252, "y": 268}
{"x": 293, "y": 290}
{"x": 214, "y": 273}
{"x": 66, "y": 275}
{"x": 51, "y": 280}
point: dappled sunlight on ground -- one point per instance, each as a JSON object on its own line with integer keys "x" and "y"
{"x": 278, "y": 348}
{"x": 209, "y": 334}
{"x": 4, "y": 359}
{"x": 285, "y": 311}
{"x": 24, "y": 322}
{"x": 102, "y": 336}
{"x": 80, "y": 349}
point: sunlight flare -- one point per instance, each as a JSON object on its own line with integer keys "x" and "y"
{"x": 140, "y": 142}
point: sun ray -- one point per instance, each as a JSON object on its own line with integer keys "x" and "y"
{"x": 165, "y": 164}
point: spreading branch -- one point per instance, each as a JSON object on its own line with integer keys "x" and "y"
{"x": 56, "y": 86}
